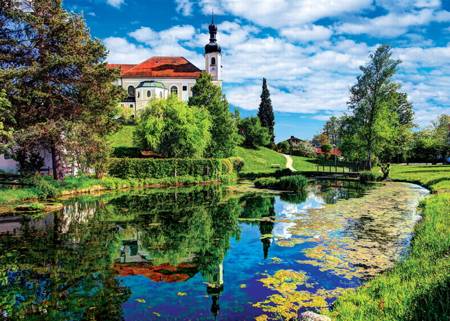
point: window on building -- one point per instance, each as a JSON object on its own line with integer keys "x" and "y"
{"x": 131, "y": 91}
{"x": 160, "y": 94}
{"x": 139, "y": 94}
{"x": 174, "y": 90}
{"x": 149, "y": 93}
{"x": 131, "y": 105}
{"x": 184, "y": 88}
{"x": 213, "y": 61}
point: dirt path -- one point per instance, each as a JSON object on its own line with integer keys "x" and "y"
{"x": 289, "y": 162}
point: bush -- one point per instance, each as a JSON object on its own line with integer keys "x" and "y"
{"x": 368, "y": 176}
{"x": 326, "y": 148}
{"x": 266, "y": 182}
{"x": 227, "y": 166}
{"x": 304, "y": 149}
{"x": 253, "y": 133}
{"x": 293, "y": 183}
{"x": 45, "y": 186}
{"x": 284, "y": 147}
{"x": 122, "y": 152}
{"x": 162, "y": 168}
{"x": 173, "y": 129}
{"x": 238, "y": 163}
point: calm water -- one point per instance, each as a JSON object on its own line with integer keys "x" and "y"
{"x": 200, "y": 253}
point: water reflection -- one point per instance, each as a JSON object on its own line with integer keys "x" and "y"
{"x": 195, "y": 253}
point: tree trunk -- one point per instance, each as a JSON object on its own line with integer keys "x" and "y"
{"x": 58, "y": 171}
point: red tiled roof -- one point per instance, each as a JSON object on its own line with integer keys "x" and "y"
{"x": 123, "y": 67}
{"x": 161, "y": 273}
{"x": 160, "y": 67}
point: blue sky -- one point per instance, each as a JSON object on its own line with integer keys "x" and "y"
{"x": 309, "y": 50}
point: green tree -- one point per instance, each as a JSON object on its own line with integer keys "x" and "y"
{"x": 6, "y": 133}
{"x": 172, "y": 129}
{"x": 253, "y": 133}
{"x": 331, "y": 129}
{"x": 368, "y": 99}
{"x": 441, "y": 131}
{"x": 224, "y": 135}
{"x": 54, "y": 75}
{"x": 432, "y": 143}
{"x": 284, "y": 147}
{"x": 265, "y": 112}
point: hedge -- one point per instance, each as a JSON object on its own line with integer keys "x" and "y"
{"x": 122, "y": 152}
{"x": 161, "y": 168}
{"x": 294, "y": 183}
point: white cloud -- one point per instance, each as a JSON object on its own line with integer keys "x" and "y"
{"x": 390, "y": 25}
{"x": 307, "y": 33}
{"x": 402, "y": 5}
{"x": 283, "y": 13}
{"x": 115, "y": 3}
{"x": 121, "y": 51}
{"x": 171, "y": 35}
{"x": 184, "y": 7}
{"x": 168, "y": 42}
{"x": 393, "y": 24}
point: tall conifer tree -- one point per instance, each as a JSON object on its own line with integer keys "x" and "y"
{"x": 265, "y": 112}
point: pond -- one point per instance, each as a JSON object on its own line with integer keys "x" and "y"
{"x": 202, "y": 253}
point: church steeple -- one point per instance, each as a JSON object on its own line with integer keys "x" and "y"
{"x": 213, "y": 54}
{"x": 212, "y": 46}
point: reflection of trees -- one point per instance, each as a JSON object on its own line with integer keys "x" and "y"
{"x": 62, "y": 276}
{"x": 294, "y": 198}
{"x": 334, "y": 190}
{"x": 261, "y": 208}
{"x": 66, "y": 270}
{"x": 184, "y": 231}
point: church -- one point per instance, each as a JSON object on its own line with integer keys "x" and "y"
{"x": 160, "y": 77}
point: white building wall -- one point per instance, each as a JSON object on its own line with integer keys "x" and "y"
{"x": 180, "y": 83}
{"x": 214, "y": 69}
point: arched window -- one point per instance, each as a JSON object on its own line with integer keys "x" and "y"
{"x": 174, "y": 90}
{"x": 213, "y": 61}
{"x": 131, "y": 91}
{"x": 149, "y": 93}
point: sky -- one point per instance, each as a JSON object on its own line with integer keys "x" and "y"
{"x": 308, "y": 50}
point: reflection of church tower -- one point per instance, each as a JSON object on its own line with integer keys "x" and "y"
{"x": 213, "y": 55}
{"x": 215, "y": 288}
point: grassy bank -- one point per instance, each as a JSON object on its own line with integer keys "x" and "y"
{"x": 123, "y": 138}
{"x": 49, "y": 188}
{"x": 304, "y": 164}
{"x": 435, "y": 177}
{"x": 418, "y": 288}
{"x": 260, "y": 160}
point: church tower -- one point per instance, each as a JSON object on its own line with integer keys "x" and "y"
{"x": 213, "y": 55}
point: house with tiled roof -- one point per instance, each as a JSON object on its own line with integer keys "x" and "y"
{"x": 161, "y": 77}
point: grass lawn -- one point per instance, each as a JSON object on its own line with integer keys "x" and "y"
{"x": 418, "y": 288}
{"x": 123, "y": 138}
{"x": 304, "y": 164}
{"x": 435, "y": 177}
{"x": 260, "y": 160}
